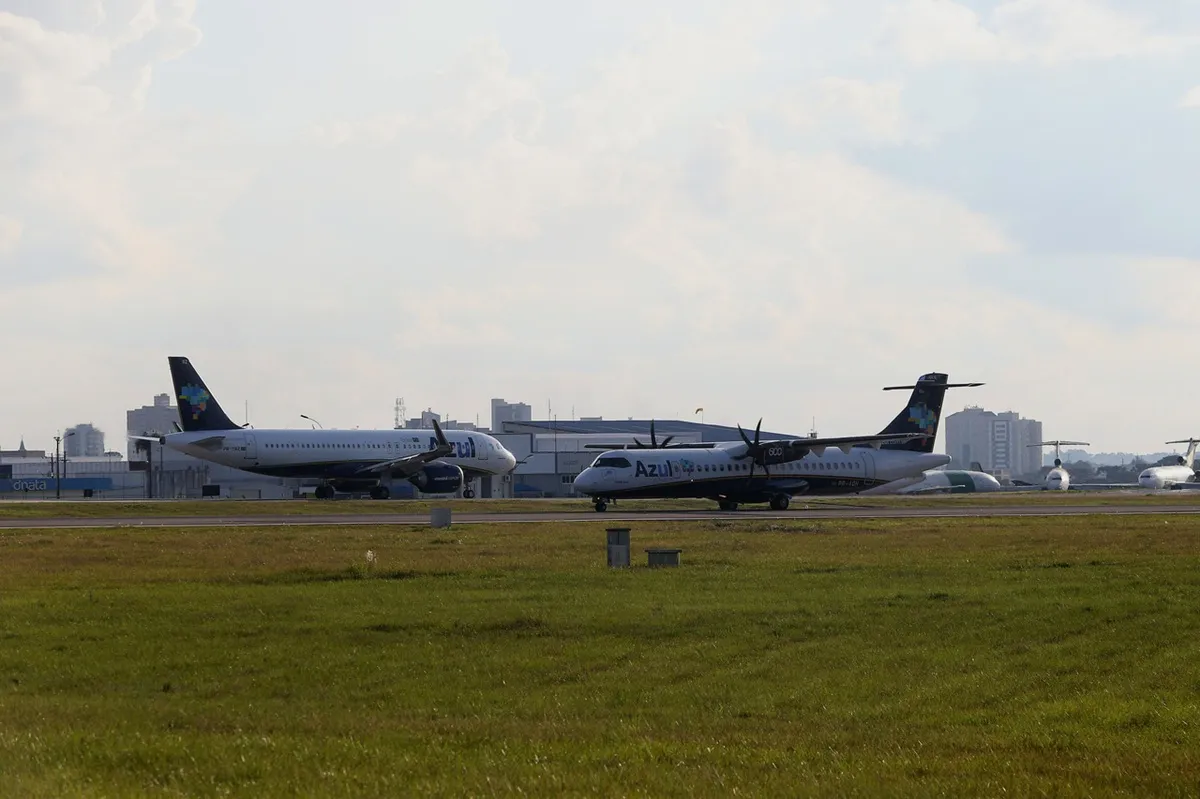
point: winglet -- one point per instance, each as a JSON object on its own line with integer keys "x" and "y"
{"x": 443, "y": 444}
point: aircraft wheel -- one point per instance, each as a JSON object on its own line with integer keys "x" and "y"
{"x": 725, "y": 504}
{"x": 600, "y": 506}
{"x": 380, "y": 492}
{"x": 324, "y": 492}
{"x": 780, "y": 502}
{"x": 468, "y": 493}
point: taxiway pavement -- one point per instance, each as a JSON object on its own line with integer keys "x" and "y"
{"x": 610, "y": 518}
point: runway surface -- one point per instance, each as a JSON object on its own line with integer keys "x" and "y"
{"x": 422, "y": 519}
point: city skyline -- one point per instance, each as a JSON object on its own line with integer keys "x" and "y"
{"x": 770, "y": 210}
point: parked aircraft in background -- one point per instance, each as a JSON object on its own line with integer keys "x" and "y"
{"x": 436, "y": 461}
{"x": 1172, "y": 475}
{"x": 1058, "y": 478}
{"x": 942, "y": 481}
{"x": 752, "y": 470}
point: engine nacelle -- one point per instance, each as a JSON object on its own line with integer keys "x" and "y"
{"x": 438, "y": 478}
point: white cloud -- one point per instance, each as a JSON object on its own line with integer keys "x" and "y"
{"x": 10, "y": 234}
{"x": 1191, "y": 99}
{"x": 1042, "y": 31}
{"x": 690, "y": 220}
{"x": 853, "y": 110}
{"x": 673, "y": 66}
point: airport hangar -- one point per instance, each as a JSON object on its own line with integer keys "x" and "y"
{"x": 549, "y": 453}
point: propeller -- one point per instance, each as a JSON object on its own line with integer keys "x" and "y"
{"x": 753, "y": 451}
{"x": 653, "y": 440}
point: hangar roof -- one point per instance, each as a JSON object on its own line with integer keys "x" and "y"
{"x": 638, "y": 427}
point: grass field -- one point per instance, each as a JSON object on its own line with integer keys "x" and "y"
{"x": 1027, "y": 656}
{"x": 42, "y": 509}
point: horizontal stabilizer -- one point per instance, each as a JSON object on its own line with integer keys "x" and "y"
{"x": 932, "y": 384}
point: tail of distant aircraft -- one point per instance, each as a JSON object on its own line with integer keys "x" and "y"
{"x": 1188, "y": 459}
{"x": 923, "y": 413}
{"x": 198, "y": 408}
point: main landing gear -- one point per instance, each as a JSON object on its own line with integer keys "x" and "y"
{"x": 777, "y": 502}
{"x": 324, "y": 491}
{"x": 468, "y": 493}
{"x": 600, "y": 505}
{"x": 380, "y": 492}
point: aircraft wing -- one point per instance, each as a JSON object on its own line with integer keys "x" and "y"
{"x": 782, "y": 450}
{"x": 409, "y": 464}
{"x": 627, "y": 445}
{"x": 405, "y": 466}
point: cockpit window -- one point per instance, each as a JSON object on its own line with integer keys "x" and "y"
{"x": 612, "y": 462}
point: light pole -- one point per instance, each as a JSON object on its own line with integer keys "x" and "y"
{"x": 57, "y": 478}
{"x": 60, "y": 469}
{"x": 314, "y": 421}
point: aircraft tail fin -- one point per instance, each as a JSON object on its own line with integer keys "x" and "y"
{"x": 923, "y": 413}
{"x": 1190, "y": 457}
{"x": 198, "y": 408}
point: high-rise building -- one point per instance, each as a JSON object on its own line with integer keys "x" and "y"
{"x": 509, "y": 412}
{"x": 157, "y": 419}
{"x": 998, "y": 442}
{"x": 83, "y": 441}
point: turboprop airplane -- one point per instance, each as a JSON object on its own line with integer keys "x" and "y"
{"x": 436, "y": 462}
{"x": 750, "y": 471}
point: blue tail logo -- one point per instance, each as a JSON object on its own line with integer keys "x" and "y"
{"x": 196, "y": 398}
{"x": 922, "y": 417}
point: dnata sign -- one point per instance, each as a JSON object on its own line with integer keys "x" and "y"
{"x": 30, "y": 485}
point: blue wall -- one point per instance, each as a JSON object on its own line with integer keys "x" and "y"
{"x": 39, "y": 484}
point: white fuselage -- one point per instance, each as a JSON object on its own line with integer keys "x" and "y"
{"x": 949, "y": 481}
{"x": 1057, "y": 479}
{"x": 713, "y": 472}
{"x": 1165, "y": 476}
{"x": 338, "y": 453}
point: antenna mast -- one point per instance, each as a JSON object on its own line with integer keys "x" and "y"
{"x": 399, "y": 412}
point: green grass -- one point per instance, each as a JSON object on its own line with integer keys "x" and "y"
{"x": 850, "y": 658}
{"x": 43, "y": 509}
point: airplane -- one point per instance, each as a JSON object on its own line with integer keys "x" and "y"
{"x": 1177, "y": 474}
{"x": 1058, "y": 478}
{"x": 755, "y": 471}
{"x": 948, "y": 481}
{"x": 342, "y": 460}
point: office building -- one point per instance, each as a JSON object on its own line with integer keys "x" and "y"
{"x": 509, "y": 412}
{"x": 83, "y": 441}
{"x": 998, "y": 442}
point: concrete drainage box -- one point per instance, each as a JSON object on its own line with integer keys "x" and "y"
{"x": 662, "y": 557}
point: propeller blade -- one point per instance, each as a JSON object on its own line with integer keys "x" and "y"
{"x": 757, "y": 430}
{"x": 667, "y": 440}
{"x": 639, "y": 444}
{"x": 653, "y": 439}
{"x": 745, "y": 437}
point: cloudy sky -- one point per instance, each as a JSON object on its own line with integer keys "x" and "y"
{"x": 623, "y": 208}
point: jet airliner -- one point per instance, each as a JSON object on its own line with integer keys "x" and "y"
{"x": 751, "y": 470}
{"x": 436, "y": 462}
{"x": 1176, "y": 474}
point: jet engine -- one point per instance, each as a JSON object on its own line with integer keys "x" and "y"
{"x": 438, "y": 478}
